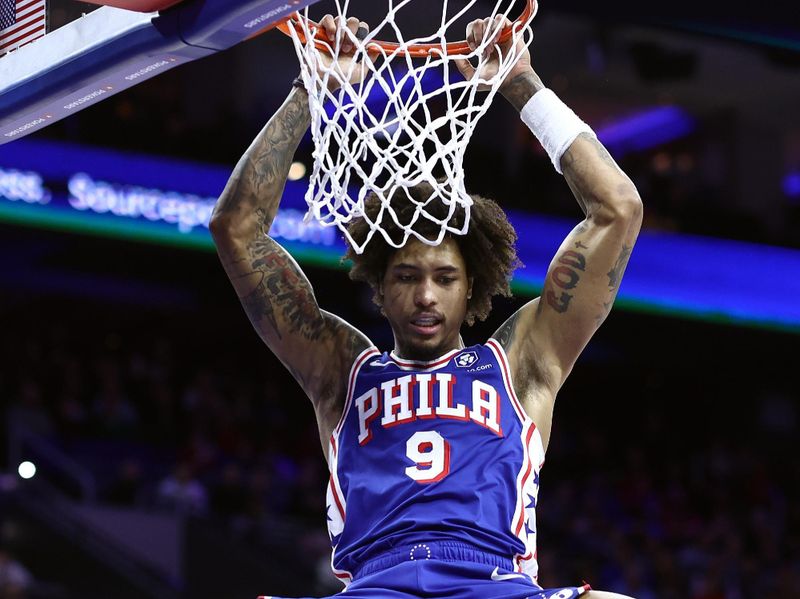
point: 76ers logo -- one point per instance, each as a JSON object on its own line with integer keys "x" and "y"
{"x": 466, "y": 359}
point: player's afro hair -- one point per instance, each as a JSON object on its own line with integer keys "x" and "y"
{"x": 488, "y": 246}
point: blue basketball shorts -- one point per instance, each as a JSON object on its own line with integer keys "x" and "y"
{"x": 475, "y": 576}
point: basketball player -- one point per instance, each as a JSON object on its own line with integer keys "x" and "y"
{"x": 434, "y": 448}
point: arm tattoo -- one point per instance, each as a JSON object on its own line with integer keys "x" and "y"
{"x": 615, "y": 274}
{"x": 356, "y": 344}
{"x": 350, "y": 344}
{"x": 285, "y": 287}
{"x": 606, "y": 309}
{"x": 273, "y": 158}
{"x": 261, "y": 173}
{"x": 258, "y": 308}
{"x": 566, "y": 277}
{"x": 521, "y": 89}
{"x": 614, "y": 278}
{"x": 559, "y": 303}
{"x": 505, "y": 334}
{"x": 601, "y": 151}
{"x": 581, "y": 174}
{"x": 578, "y": 196}
{"x": 568, "y": 160}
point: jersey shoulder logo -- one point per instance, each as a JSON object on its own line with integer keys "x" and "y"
{"x": 466, "y": 359}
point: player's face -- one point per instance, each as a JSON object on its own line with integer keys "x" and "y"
{"x": 425, "y": 292}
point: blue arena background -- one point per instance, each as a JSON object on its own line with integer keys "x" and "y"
{"x": 165, "y": 200}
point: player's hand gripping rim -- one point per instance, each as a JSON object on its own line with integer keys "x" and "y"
{"x": 347, "y": 51}
{"x": 489, "y": 63}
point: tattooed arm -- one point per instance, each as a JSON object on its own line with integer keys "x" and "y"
{"x": 317, "y": 347}
{"x": 545, "y": 337}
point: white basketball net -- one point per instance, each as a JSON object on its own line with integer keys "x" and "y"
{"x": 372, "y": 136}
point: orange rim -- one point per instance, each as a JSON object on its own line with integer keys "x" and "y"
{"x": 322, "y": 42}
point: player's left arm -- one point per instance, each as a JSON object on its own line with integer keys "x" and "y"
{"x": 545, "y": 337}
{"x": 584, "y": 276}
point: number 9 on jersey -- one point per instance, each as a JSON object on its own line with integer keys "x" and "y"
{"x": 431, "y": 456}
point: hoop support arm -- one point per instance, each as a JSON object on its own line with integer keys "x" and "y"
{"x": 112, "y": 49}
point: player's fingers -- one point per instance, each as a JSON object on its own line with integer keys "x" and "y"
{"x": 362, "y": 31}
{"x": 338, "y": 30}
{"x": 498, "y": 25}
{"x": 465, "y": 67}
{"x": 328, "y": 26}
{"x": 475, "y": 32}
{"x": 361, "y": 34}
{"x": 471, "y": 35}
{"x": 340, "y": 36}
{"x": 480, "y": 31}
{"x": 352, "y": 24}
{"x": 487, "y": 30}
{"x": 349, "y": 33}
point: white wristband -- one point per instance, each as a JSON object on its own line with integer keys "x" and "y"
{"x": 553, "y": 123}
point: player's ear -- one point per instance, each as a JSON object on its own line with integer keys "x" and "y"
{"x": 470, "y": 281}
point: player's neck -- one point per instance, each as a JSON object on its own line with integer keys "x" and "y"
{"x": 422, "y": 354}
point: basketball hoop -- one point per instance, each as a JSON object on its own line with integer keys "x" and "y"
{"x": 380, "y": 134}
{"x": 415, "y": 50}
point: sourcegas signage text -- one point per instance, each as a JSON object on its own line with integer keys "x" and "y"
{"x": 185, "y": 211}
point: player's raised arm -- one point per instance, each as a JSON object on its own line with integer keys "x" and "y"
{"x": 584, "y": 276}
{"x": 545, "y": 337}
{"x": 317, "y": 347}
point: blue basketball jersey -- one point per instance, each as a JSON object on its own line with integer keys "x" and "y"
{"x": 433, "y": 451}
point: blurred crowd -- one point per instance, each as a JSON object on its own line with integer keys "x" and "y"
{"x": 182, "y": 422}
{"x": 720, "y": 523}
{"x": 160, "y": 432}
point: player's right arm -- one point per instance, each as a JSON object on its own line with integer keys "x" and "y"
{"x": 316, "y": 346}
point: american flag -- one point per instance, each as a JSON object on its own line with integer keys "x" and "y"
{"x": 21, "y": 21}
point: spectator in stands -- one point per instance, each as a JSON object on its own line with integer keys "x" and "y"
{"x": 181, "y": 493}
